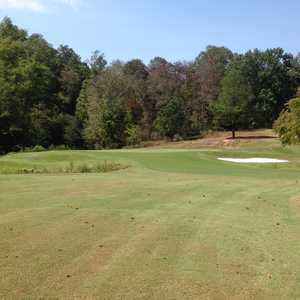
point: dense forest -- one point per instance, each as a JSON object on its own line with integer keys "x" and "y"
{"x": 50, "y": 97}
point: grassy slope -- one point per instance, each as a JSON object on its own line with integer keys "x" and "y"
{"x": 176, "y": 225}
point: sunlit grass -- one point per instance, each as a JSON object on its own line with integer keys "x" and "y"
{"x": 176, "y": 224}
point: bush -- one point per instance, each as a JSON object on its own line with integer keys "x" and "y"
{"x": 38, "y": 148}
{"x": 27, "y": 171}
{"x": 133, "y": 136}
{"x": 109, "y": 167}
{"x": 70, "y": 167}
{"x": 288, "y": 124}
{"x": 84, "y": 168}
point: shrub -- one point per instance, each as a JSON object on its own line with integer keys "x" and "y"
{"x": 84, "y": 168}
{"x": 38, "y": 148}
{"x": 109, "y": 167}
{"x": 71, "y": 168}
{"x": 288, "y": 124}
{"x": 133, "y": 136}
{"x": 26, "y": 171}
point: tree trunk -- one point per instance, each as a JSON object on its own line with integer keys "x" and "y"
{"x": 233, "y": 133}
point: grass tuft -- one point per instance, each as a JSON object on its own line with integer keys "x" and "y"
{"x": 104, "y": 167}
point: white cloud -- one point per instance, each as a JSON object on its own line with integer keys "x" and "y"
{"x": 36, "y": 5}
{"x": 73, "y": 3}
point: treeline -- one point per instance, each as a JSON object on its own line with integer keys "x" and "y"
{"x": 51, "y": 97}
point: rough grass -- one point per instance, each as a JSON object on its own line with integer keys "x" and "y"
{"x": 178, "y": 224}
{"x": 68, "y": 168}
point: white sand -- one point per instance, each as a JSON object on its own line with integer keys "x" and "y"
{"x": 254, "y": 160}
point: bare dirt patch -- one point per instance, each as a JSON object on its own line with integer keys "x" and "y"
{"x": 219, "y": 139}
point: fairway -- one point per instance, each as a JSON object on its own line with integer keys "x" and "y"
{"x": 176, "y": 224}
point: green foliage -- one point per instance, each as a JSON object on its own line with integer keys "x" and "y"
{"x": 73, "y": 72}
{"x": 51, "y": 97}
{"x": 97, "y": 63}
{"x": 231, "y": 109}
{"x": 137, "y": 69}
{"x": 157, "y": 62}
{"x": 263, "y": 83}
{"x": 82, "y": 104}
{"x": 106, "y": 123}
{"x": 288, "y": 124}
{"x": 133, "y": 136}
{"x": 39, "y": 88}
{"x": 210, "y": 67}
{"x": 72, "y": 132}
{"x": 170, "y": 119}
{"x": 41, "y": 126}
{"x": 113, "y": 123}
{"x": 9, "y": 30}
{"x": 38, "y": 148}
{"x": 271, "y": 81}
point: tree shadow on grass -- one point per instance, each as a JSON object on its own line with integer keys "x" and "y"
{"x": 252, "y": 137}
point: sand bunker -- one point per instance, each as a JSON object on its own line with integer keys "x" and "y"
{"x": 254, "y": 160}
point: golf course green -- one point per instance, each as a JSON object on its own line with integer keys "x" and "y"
{"x": 173, "y": 224}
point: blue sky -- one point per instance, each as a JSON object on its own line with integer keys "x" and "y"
{"x": 174, "y": 29}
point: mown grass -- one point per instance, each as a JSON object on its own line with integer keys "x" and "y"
{"x": 177, "y": 224}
